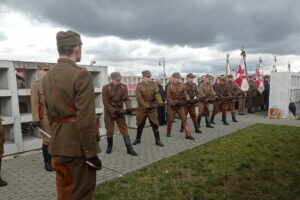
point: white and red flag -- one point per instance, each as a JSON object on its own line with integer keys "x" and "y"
{"x": 259, "y": 77}
{"x": 241, "y": 77}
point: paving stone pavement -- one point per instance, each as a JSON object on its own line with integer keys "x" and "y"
{"x": 27, "y": 178}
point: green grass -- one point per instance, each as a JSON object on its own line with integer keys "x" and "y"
{"x": 260, "y": 162}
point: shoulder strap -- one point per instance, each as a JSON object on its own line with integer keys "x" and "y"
{"x": 60, "y": 97}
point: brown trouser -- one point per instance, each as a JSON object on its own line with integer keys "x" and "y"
{"x": 221, "y": 107}
{"x": 231, "y": 107}
{"x": 242, "y": 101}
{"x": 110, "y": 123}
{"x": 181, "y": 113}
{"x": 141, "y": 117}
{"x": 203, "y": 109}
{"x": 75, "y": 180}
{"x": 190, "y": 109}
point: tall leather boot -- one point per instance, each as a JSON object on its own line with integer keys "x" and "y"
{"x": 2, "y": 182}
{"x": 197, "y": 129}
{"x": 129, "y": 147}
{"x": 224, "y": 119}
{"x": 233, "y": 117}
{"x": 157, "y": 139}
{"x": 181, "y": 129}
{"x": 199, "y": 120}
{"x": 212, "y": 119}
{"x": 139, "y": 132}
{"x": 188, "y": 133}
{"x": 109, "y": 145}
{"x": 47, "y": 158}
{"x": 207, "y": 123}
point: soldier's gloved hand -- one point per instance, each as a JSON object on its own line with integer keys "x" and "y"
{"x": 94, "y": 162}
{"x": 35, "y": 124}
{"x": 117, "y": 112}
{"x": 178, "y": 105}
{"x": 129, "y": 111}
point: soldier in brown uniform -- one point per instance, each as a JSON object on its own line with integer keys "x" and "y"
{"x": 2, "y": 140}
{"x": 114, "y": 95}
{"x": 192, "y": 91}
{"x": 177, "y": 97}
{"x": 205, "y": 91}
{"x": 221, "y": 91}
{"x": 147, "y": 95}
{"x": 233, "y": 90}
{"x": 251, "y": 95}
{"x": 70, "y": 102}
{"x": 39, "y": 112}
{"x": 20, "y": 76}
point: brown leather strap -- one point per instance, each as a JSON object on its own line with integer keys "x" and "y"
{"x": 150, "y": 99}
{"x": 60, "y": 97}
{"x": 65, "y": 119}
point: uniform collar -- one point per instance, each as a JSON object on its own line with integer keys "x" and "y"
{"x": 65, "y": 60}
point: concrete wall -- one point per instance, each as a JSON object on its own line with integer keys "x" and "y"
{"x": 285, "y": 88}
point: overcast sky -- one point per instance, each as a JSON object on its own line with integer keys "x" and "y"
{"x": 130, "y": 36}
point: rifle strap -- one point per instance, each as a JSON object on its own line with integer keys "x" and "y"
{"x": 62, "y": 100}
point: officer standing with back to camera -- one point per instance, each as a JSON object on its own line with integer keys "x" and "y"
{"x": 114, "y": 96}
{"x": 70, "y": 102}
{"x": 39, "y": 112}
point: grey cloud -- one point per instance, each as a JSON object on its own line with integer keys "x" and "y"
{"x": 262, "y": 26}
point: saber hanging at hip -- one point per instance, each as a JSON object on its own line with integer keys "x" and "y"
{"x": 44, "y": 132}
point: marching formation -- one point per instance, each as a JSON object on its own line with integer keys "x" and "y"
{"x": 63, "y": 109}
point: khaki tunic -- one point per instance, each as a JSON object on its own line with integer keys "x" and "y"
{"x": 192, "y": 91}
{"x": 75, "y": 85}
{"x": 39, "y": 112}
{"x": 2, "y": 138}
{"x": 205, "y": 91}
{"x": 233, "y": 90}
{"x": 251, "y": 94}
{"x": 176, "y": 92}
{"x": 221, "y": 91}
{"x": 147, "y": 94}
{"x": 114, "y": 97}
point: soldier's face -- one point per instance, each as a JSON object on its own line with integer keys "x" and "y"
{"x": 190, "y": 80}
{"x": 147, "y": 79}
{"x": 116, "y": 81}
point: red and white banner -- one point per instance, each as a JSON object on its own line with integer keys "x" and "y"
{"x": 259, "y": 80}
{"x": 241, "y": 78}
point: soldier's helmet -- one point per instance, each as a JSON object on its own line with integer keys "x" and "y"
{"x": 210, "y": 77}
{"x": 190, "y": 75}
{"x": 43, "y": 66}
{"x": 230, "y": 76}
{"x": 67, "y": 39}
{"x": 146, "y": 73}
{"x": 116, "y": 76}
{"x": 176, "y": 75}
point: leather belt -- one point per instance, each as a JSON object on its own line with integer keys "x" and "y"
{"x": 72, "y": 119}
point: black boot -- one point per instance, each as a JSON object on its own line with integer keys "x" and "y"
{"x": 138, "y": 136}
{"x": 199, "y": 120}
{"x": 2, "y": 182}
{"x": 197, "y": 130}
{"x": 47, "y": 158}
{"x": 157, "y": 139}
{"x": 181, "y": 129}
{"x": 109, "y": 145}
{"x": 207, "y": 123}
{"x": 224, "y": 120}
{"x": 129, "y": 147}
{"x": 233, "y": 117}
{"x": 212, "y": 119}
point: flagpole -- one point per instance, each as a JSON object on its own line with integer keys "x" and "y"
{"x": 243, "y": 53}
{"x": 227, "y": 65}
